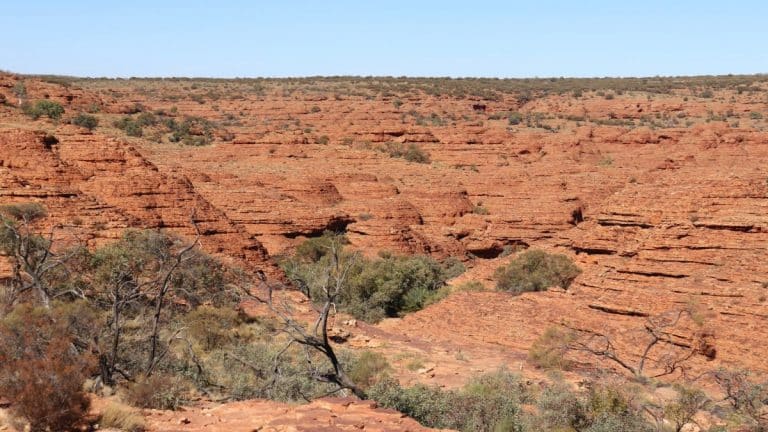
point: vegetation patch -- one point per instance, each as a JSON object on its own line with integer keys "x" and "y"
{"x": 536, "y": 270}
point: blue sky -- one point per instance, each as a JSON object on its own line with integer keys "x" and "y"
{"x": 544, "y": 38}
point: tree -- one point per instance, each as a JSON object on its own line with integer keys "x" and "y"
{"x": 20, "y": 91}
{"x": 657, "y": 332}
{"x": 330, "y": 281}
{"x": 30, "y": 253}
{"x": 745, "y": 395}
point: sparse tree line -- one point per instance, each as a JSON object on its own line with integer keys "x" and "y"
{"x": 153, "y": 319}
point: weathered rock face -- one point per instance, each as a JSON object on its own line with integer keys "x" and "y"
{"x": 658, "y": 215}
{"x": 330, "y": 414}
{"x": 94, "y": 187}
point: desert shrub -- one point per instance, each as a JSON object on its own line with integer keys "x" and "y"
{"x": 688, "y": 402}
{"x": 211, "y": 327}
{"x": 375, "y": 288}
{"x": 604, "y": 407}
{"x": 129, "y": 126}
{"x": 490, "y": 402}
{"x": 122, "y": 417}
{"x": 40, "y": 372}
{"x": 411, "y": 152}
{"x": 549, "y": 350}
{"x": 23, "y": 211}
{"x": 427, "y": 405}
{"x": 85, "y": 120}
{"x": 453, "y": 267}
{"x": 536, "y": 270}
{"x": 368, "y": 368}
{"x": 146, "y": 119}
{"x": 393, "y": 285}
{"x": 754, "y": 115}
{"x": 253, "y": 370}
{"x": 192, "y": 131}
{"x": 158, "y": 392}
{"x": 52, "y": 110}
{"x": 142, "y": 259}
{"x": 515, "y": 118}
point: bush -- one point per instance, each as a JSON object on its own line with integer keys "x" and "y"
{"x": 122, "y": 417}
{"x": 368, "y": 368}
{"x": 536, "y": 270}
{"x": 40, "y": 373}
{"x": 515, "y": 118}
{"x": 490, "y": 402}
{"x": 50, "y": 109}
{"x": 249, "y": 371}
{"x": 412, "y": 152}
{"x": 158, "y": 392}
{"x": 549, "y": 350}
{"x": 85, "y": 120}
{"x": 129, "y": 126}
{"x": 212, "y": 327}
{"x": 391, "y": 286}
{"x": 604, "y": 407}
{"x": 374, "y": 289}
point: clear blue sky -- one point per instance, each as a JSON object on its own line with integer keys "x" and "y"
{"x": 544, "y": 38}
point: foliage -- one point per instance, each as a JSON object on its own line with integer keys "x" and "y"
{"x": 252, "y": 370}
{"x": 158, "y": 392}
{"x": 536, "y": 270}
{"x": 375, "y": 288}
{"x": 368, "y": 368}
{"x": 85, "y": 120}
{"x": 52, "y": 110}
{"x": 549, "y": 350}
{"x": 40, "y": 372}
{"x": 604, "y": 407}
{"x": 515, "y": 118}
{"x": 411, "y": 152}
{"x": 489, "y": 402}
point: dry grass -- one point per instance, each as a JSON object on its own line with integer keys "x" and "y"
{"x": 123, "y": 417}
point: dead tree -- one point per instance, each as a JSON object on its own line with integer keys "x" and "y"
{"x": 657, "y": 332}
{"x": 163, "y": 285}
{"x": 329, "y": 283}
{"x": 30, "y": 253}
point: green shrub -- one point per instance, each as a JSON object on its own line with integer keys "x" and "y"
{"x": 536, "y": 270}
{"x": 374, "y": 288}
{"x": 515, "y": 118}
{"x": 604, "y": 407}
{"x": 48, "y": 108}
{"x": 129, "y": 126}
{"x": 85, "y": 120}
{"x": 391, "y": 286}
{"x": 490, "y": 402}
